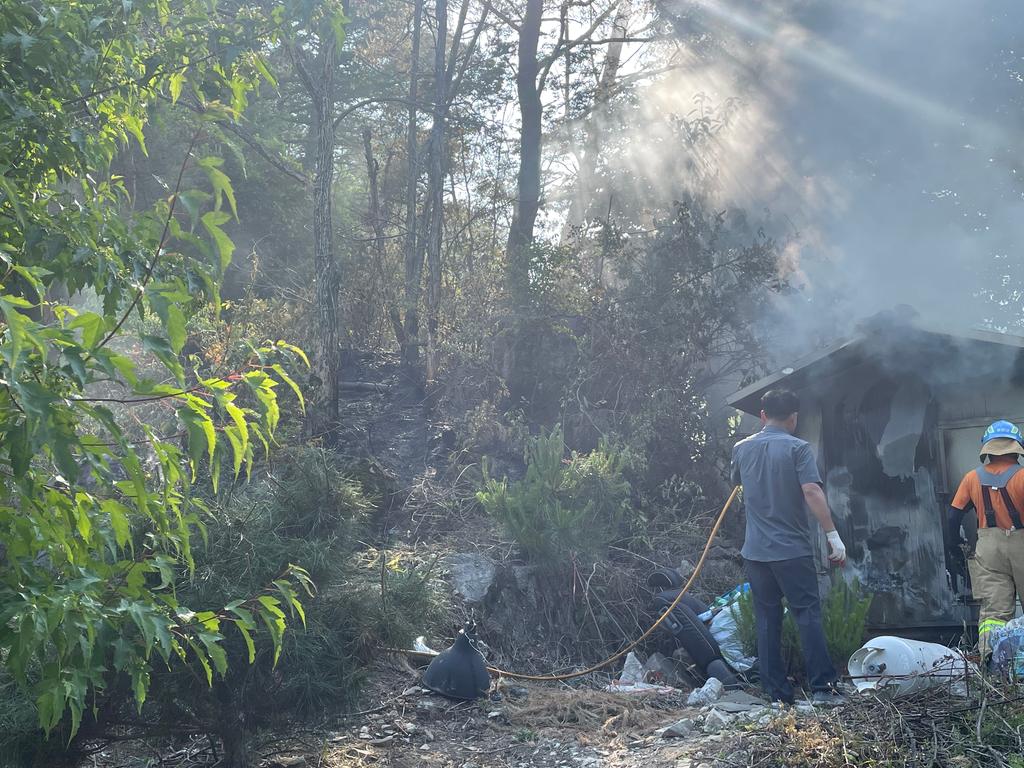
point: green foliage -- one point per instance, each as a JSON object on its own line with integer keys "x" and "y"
{"x": 305, "y": 510}
{"x": 97, "y": 514}
{"x": 564, "y": 508}
{"x": 844, "y": 613}
{"x": 679, "y": 317}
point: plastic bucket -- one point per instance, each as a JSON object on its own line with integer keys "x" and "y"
{"x": 905, "y": 665}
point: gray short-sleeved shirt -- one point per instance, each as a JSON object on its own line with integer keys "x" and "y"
{"x": 772, "y": 466}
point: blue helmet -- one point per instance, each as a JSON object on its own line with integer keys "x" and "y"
{"x": 1001, "y": 428}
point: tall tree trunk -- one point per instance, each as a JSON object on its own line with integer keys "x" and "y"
{"x": 435, "y": 184}
{"x": 413, "y": 255}
{"x": 319, "y": 83}
{"x": 527, "y": 203}
{"x": 376, "y": 221}
{"x": 583, "y": 201}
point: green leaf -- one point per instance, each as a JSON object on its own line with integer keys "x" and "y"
{"x": 93, "y": 328}
{"x": 174, "y": 83}
{"x": 211, "y": 641}
{"x": 297, "y": 351}
{"x": 176, "y": 328}
{"x": 264, "y": 70}
{"x": 238, "y": 416}
{"x": 291, "y": 599}
{"x": 161, "y": 349}
{"x": 279, "y": 370}
{"x": 220, "y": 182}
{"x": 237, "y": 448}
{"x": 134, "y": 126}
{"x": 140, "y": 685}
{"x": 119, "y": 515}
{"x": 19, "y": 449}
{"x": 273, "y": 618}
{"x": 225, "y": 247}
{"x": 201, "y": 658}
{"x": 247, "y": 636}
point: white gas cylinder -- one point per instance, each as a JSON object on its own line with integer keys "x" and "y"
{"x": 905, "y": 665}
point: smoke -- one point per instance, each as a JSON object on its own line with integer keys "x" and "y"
{"x": 880, "y": 141}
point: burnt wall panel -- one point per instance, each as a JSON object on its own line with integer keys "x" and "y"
{"x": 878, "y": 444}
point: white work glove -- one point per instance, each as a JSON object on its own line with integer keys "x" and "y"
{"x": 836, "y": 545}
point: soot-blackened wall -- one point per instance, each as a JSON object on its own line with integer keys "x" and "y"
{"x": 878, "y": 453}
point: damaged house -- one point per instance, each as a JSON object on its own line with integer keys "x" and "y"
{"x": 895, "y": 414}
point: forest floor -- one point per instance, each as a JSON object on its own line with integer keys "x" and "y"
{"x": 524, "y": 726}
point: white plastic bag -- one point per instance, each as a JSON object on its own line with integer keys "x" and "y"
{"x": 723, "y": 629}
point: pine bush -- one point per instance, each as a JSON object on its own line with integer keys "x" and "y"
{"x": 565, "y": 508}
{"x": 844, "y": 613}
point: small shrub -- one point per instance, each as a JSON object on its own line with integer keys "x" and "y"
{"x": 565, "y": 508}
{"x": 844, "y": 613}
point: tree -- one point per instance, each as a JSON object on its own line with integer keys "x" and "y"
{"x": 97, "y": 513}
{"x": 528, "y": 183}
{"x": 322, "y": 32}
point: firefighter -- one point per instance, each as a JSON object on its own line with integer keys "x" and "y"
{"x": 995, "y": 490}
{"x": 781, "y": 484}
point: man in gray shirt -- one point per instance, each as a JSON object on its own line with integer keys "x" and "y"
{"x": 781, "y": 484}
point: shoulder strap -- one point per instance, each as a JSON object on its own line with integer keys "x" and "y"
{"x": 991, "y": 481}
{"x": 990, "y": 513}
{"x": 1011, "y": 508}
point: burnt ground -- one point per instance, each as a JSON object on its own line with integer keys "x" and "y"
{"x": 546, "y": 726}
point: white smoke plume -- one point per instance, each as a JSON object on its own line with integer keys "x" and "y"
{"x": 884, "y": 138}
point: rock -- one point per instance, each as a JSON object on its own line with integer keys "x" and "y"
{"x": 472, "y": 575}
{"x": 716, "y": 721}
{"x": 516, "y": 691}
{"x": 685, "y": 568}
{"x": 708, "y": 694}
{"x": 632, "y": 670}
{"x": 427, "y": 708}
{"x": 680, "y": 730}
{"x": 736, "y": 702}
{"x": 724, "y": 552}
{"x": 662, "y": 670}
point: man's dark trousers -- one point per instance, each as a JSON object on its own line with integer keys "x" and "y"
{"x": 797, "y": 582}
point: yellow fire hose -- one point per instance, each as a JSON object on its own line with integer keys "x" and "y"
{"x": 645, "y": 635}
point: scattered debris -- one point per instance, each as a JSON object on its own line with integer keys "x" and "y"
{"x": 680, "y": 729}
{"x": 632, "y": 670}
{"x": 708, "y": 694}
{"x": 420, "y": 646}
{"x": 736, "y": 702}
{"x": 661, "y": 670}
{"x": 908, "y": 666}
{"x": 632, "y": 680}
{"x": 716, "y": 720}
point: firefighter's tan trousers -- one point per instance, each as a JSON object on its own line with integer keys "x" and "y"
{"x": 997, "y": 579}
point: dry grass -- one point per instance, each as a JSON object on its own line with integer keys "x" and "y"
{"x": 589, "y": 710}
{"x": 930, "y": 729}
